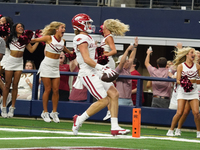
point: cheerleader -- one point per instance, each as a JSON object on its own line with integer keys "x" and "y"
{"x": 111, "y": 27}
{"x": 187, "y": 94}
{"x": 9, "y": 22}
{"x": 187, "y": 106}
{"x": 49, "y": 67}
{"x": 5, "y": 24}
{"x": 14, "y": 65}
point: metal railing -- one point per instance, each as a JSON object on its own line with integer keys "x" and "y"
{"x": 90, "y": 98}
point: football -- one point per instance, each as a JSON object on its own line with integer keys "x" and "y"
{"x": 105, "y": 78}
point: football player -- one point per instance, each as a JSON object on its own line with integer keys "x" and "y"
{"x": 104, "y": 92}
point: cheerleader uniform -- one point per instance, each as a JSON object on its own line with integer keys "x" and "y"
{"x": 49, "y": 67}
{"x": 107, "y": 48}
{"x": 192, "y": 74}
{"x": 15, "y": 63}
{"x": 3, "y": 61}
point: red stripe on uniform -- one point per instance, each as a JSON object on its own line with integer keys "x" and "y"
{"x": 94, "y": 88}
{"x": 90, "y": 88}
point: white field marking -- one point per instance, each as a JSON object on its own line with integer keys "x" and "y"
{"x": 68, "y": 148}
{"x": 104, "y": 136}
{"x": 48, "y": 131}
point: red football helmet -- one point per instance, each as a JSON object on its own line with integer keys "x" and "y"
{"x": 80, "y": 22}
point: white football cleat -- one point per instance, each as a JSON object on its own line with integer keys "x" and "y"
{"x": 76, "y": 125}
{"x": 120, "y": 131}
{"x": 108, "y": 115}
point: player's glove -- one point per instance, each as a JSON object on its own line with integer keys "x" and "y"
{"x": 109, "y": 72}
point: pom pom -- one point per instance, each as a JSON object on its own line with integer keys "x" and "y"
{"x": 38, "y": 34}
{"x": 28, "y": 33}
{"x": 102, "y": 60}
{"x": 71, "y": 56}
{"x": 26, "y": 37}
{"x": 99, "y": 51}
{"x": 186, "y": 84}
{"x": 1, "y": 15}
{"x": 4, "y": 29}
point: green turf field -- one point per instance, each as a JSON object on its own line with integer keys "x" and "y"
{"x": 29, "y": 132}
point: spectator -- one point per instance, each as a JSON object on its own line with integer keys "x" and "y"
{"x": 149, "y": 86}
{"x": 124, "y": 86}
{"x": 64, "y": 79}
{"x": 76, "y": 95}
{"x": 169, "y": 63}
{"x": 26, "y": 82}
{"x": 134, "y": 72}
{"x": 161, "y": 90}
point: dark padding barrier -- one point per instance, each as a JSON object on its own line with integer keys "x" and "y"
{"x": 150, "y": 116}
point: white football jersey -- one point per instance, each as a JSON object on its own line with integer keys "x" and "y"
{"x": 79, "y": 39}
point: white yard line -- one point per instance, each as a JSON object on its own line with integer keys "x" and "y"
{"x": 96, "y": 136}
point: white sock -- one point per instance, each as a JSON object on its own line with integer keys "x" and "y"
{"x": 114, "y": 123}
{"x": 83, "y": 117}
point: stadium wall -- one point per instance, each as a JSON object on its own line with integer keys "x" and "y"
{"x": 143, "y": 22}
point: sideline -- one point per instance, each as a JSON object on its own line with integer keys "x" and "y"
{"x": 98, "y": 136}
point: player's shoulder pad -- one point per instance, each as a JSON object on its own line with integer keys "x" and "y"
{"x": 80, "y": 38}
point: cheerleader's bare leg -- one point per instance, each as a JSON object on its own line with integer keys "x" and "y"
{"x": 185, "y": 114}
{"x": 179, "y": 112}
{"x": 17, "y": 75}
{"x": 8, "y": 81}
{"x": 55, "y": 95}
{"x": 195, "y": 110}
{"x": 47, "y": 89}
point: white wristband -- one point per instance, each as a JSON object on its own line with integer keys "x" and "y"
{"x": 98, "y": 66}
